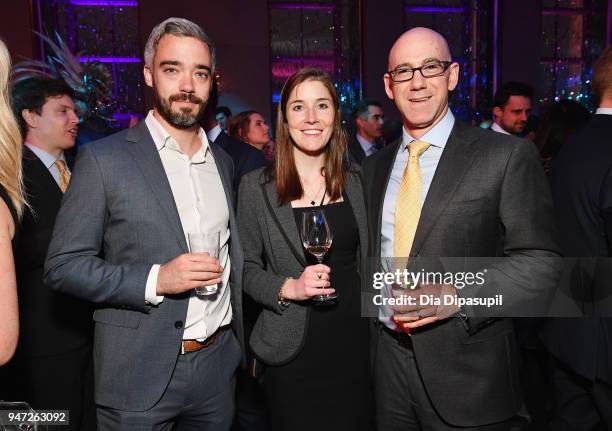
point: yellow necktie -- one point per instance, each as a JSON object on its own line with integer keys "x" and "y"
{"x": 408, "y": 205}
{"x": 64, "y": 174}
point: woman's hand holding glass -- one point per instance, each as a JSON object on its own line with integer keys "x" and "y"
{"x": 313, "y": 281}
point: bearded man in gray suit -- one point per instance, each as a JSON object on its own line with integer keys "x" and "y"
{"x": 450, "y": 190}
{"x": 164, "y": 356}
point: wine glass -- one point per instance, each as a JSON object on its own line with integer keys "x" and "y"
{"x": 317, "y": 240}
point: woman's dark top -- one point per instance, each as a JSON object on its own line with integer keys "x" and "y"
{"x": 327, "y": 386}
{"x": 7, "y": 200}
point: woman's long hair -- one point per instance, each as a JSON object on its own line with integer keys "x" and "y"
{"x": 11, "y": 177}
{"x": 283, "y": 170}
{"x": 239, "y": 125}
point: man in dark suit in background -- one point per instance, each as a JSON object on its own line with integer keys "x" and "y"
{"x": 450, "y": 190}
{"x": 54, "y": 353}
{"x": 581, "y": 181}
{"x": 245, "y": 157}
{"x": 368, "y": 121}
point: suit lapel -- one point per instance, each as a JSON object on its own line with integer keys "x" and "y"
{"x": 40, "y": 171}
{"x": 457, "y": 157}
{"x": 382, "y": 174}
{"x": 147, "y": 158}
{"x": 285, "y": 221}
{"x": 355, "y": 196}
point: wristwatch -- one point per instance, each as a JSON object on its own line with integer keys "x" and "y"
{"x": 282, "y": 302}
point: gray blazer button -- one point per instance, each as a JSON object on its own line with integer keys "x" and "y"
{"x": 178, "y": 324}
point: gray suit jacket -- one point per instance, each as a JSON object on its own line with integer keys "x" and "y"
{"x": 273, "y": 252}
{"x": 117, "y": 219}
{"x": 489, "y": 197}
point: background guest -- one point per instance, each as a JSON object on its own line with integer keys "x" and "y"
{"x": 511, "y": 108}
{"x": 223, "y": 116}
{"x": 12, "y": 203}
{"x": 316, "y": 357}
{"x": 581, "y": 180}
{"x": 245, "y": 157}
{"x": 54, "y": 355}
{"x": 250, "y": 127}
{"x": 559, "y": 121}
{"x": 368, "y": 121}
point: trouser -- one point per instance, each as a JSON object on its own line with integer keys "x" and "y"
{"x": 199, "y": 396}
{"x": 401, "y": 398}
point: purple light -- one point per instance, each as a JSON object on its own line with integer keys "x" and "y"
{"x": 307, "y": 60}
{"x": 434, "y": 9}
{"x": 126, "y": 115}
{"x": 124, "y": 3}
{"x": 310, "y": 6}
{"x": 111, "y": 59}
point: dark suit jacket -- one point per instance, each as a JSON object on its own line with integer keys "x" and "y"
{"x": 245, "y": 157}
{"x": 489, "y": 197}
{"x": 355, "y": 150}
{"x": 50, "y": 322}
{"x": 581, "y": 180}
{"x": 118, "y": 218}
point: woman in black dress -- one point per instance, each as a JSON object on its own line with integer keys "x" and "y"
{"x": 316, "y": 374}
{"x": 11, "y": 206}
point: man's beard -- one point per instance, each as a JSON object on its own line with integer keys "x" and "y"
{"x": 185, "y": 117}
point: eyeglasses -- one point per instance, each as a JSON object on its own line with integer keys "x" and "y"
{"x": 429, "y": 70}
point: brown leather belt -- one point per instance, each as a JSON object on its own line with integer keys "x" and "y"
{"x": 190, "y": 346}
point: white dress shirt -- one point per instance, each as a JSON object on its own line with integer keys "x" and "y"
{"x": 497, "y": 128}
{"x": 368, "y": 147}
{"x": 202, "y": 206}
{"x": 605, "y": 111}
{"x": 214, "y": 133}
{"x": 49, "y": 162}
{"x": 437, "y": 138}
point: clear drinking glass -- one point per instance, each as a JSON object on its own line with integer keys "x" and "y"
{"x": 205, "y": 243}
{"x": 317, "y": 240}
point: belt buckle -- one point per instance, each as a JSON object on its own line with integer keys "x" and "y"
{"x": 201, "y": 344}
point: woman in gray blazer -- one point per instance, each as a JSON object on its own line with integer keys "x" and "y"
{"x": 315, "y": 354}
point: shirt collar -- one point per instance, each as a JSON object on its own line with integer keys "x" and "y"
{"x": 497, "y": 128}
{"x": 437, "y": 136}
{"x": 365, "y": 144}
{"x": 605, "y": 111}
{"x": 214, "y": 133}
{"x": 47, "y": 159}
{"x": 162, "y": 138}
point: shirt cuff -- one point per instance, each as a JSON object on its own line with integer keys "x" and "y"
{"x": 151, "y": 296}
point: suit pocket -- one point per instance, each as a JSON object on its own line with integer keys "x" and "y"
{"x": 467, "y": 207}
{"x": 494, "y": 330}
{"x": 115, "y": 317}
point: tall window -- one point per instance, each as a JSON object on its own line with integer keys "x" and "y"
{"x": 105, "y": 31}
{"x": 467, "y": 25}
{"x": 315, "y": 33}
{"x": 573, "y": 35}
